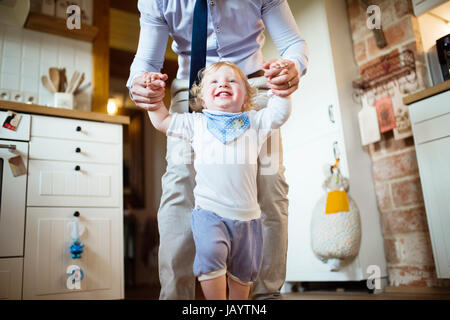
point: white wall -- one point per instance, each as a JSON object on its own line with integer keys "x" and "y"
{"x": 26, "y": 55}
{"x": 431, "y": 29}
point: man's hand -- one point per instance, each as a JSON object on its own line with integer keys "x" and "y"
{"x": 148, "y": 90}
{"x": 282, "y": 75}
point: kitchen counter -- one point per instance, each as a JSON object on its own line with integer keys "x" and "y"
{"x": 59, "y": 112}
{"x": 426, "y": 93}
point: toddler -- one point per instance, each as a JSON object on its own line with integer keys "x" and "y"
{"x": 226, "y": 134}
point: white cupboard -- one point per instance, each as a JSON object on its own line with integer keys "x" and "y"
{"x": 430, "y": 120}
{"x": 75, "y": 166}
{"x": 47, "y": 255}
{"x": 324, "y": 125}
{"x": 11, "y": 278}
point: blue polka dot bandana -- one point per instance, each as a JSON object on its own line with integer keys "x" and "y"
{"x": 225, "y": 126}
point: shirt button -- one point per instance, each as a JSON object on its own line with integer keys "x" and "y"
{"x": 218, "y": 29}
{"x": 211, "y": 3}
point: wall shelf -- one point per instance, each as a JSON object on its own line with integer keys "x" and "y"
{"x": 57, "y": 26}
{"x": 390, "y": 67}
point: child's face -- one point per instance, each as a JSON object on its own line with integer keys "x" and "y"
{"x": 223, "y": 90}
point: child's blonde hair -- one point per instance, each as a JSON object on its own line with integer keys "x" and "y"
{"x": 196, "y": 101}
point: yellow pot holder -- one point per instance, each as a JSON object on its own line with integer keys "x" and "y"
{"x": 337, "y": 201}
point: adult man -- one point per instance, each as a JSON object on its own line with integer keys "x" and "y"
{"x": 234, "y": 33}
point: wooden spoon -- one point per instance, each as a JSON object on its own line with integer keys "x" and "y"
{"x": 72, "y": 82}
{"x": 54, "y": 77}
{"x": 62, "y": 80}
{"x": 79, "y": 82}
{"x": 48, "y": 84}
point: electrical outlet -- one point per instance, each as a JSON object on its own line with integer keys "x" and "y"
{"x": 16, "y": 96}
{"x": 30, "y": 98}
{"x": 5, "y": 94}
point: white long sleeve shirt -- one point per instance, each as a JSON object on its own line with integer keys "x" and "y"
{"x": 235, "y": 33}
{"x": 226, "y": 173}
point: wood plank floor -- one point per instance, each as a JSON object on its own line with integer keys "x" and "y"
{"x": 152, "y": 293}
{"x": 324, "y": 295}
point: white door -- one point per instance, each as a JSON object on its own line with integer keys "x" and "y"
{"x": 307, "y": 166}
{"x": 11, "y": 278}
{"x": 47, "y": 253}
{"x": 433, "y": 158}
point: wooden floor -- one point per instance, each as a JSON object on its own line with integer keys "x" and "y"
{"x": 324, "y": 295}
{"x": 152, "y": 293}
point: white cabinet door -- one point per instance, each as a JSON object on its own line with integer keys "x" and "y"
{"x": 58, "y": 183}
{"x": 11, "y": 279}
{"x": 433, "y": 158}
{"x": 306, "y": 170}
{"x": 47, "y": 254}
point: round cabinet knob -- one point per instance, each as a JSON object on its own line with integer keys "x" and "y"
{"x": 77, "y": 150}
{"x": 76, "y": 214}
{"x": 77, "y": 168}
{"x": 78, "y": 128}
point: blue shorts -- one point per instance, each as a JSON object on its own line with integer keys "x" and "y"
{"x": 225, "y": 246}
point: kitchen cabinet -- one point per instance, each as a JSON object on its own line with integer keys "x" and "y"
{"x": 73, "y": 162}
{"x": 74, "y": 166}
{"x": 430, "y": 120}
{"x": 11, "y": 278}
{"x": 47, "y": 255}
{"x": 324, "y": 125}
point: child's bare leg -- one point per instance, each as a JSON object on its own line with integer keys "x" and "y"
{"x": 237, "y": 290}
{"x": 215, "y": 289}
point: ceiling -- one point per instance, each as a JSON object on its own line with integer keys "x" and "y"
{"x": 443, "y": 11}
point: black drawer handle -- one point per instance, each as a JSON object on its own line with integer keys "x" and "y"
{"x": 76, "y": 214}
{"x": 78, "y": 128}
{"x": 77, "y": 150}
{"x": 77, "y": 168}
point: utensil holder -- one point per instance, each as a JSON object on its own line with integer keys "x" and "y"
{"x": 63, "y": 100}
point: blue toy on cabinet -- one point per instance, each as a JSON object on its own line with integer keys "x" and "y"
{"x": 76, "y": 247}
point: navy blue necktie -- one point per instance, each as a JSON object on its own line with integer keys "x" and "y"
{"x": 198, "y": 43}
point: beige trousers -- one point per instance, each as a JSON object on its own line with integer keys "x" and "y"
{"x": 177, "y": 250}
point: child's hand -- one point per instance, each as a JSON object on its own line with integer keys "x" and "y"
{"x": 155, "y": 81}
{"x": 282, "y": 75}
{"x": 148, "y": 90}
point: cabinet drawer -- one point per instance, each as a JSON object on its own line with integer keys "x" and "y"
{"x": 11, "y": 278}
{"x": 72, "y": 129}
{"x": 47, "y": 253}
{"x": 75, "y": 151}
{"x": 57, "y": 183}
{"x": 429, "y": 108}
{"x": 432, "y": 129}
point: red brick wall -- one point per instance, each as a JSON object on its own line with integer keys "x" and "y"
{"x": 400, "y": 201}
